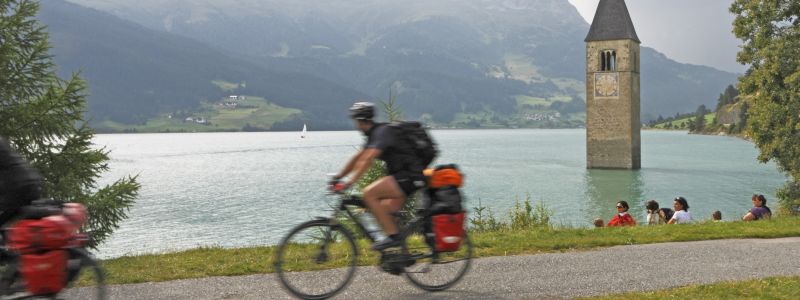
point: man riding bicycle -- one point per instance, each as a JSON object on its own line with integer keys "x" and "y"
{"x": 19, "y": 182}
{"x": 386, "y": 195}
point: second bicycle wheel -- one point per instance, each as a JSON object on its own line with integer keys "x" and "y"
{"x": 438, "y": 271}
{"x": 316, "y": 260}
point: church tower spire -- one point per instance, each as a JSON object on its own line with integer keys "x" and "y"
{"x": 612, "y": 22}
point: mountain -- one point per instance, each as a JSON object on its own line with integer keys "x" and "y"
{"x": 135, "y": 73}
{"x": 442, "y": 57}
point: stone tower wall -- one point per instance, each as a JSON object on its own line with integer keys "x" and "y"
{"x": 612, "y": 115}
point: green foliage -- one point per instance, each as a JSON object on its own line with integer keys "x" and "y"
{"x": 771, "y": 39}
{"x": 743, "y": 117}
{"x": 390, "y": 107}
{"x": 483, "y": 220}
{"x": 729, "y": 96}
{"x": 683, "y": 121}
{"x": 523, "y": 216}
{"x": 42, "y": 116}
{"x": 700, "y": 118}
{"x": 216, "y": 261}
{"x": 789, "y": 198}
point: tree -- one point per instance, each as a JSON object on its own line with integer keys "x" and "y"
{"x": 391, "y": 108}
{"x": 729, "y": 96}
{"x": 770, "y": 33}
{"x": 42, "y": 116}
{"x": 743, "y": 117}
{"x": 699, "y": 123}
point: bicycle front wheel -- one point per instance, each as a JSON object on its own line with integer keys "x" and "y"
{"x": 316, "y": 260}
{"x": 438, "y": 271}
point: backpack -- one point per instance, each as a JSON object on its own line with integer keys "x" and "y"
{"x": 415, "y": 137}
{"x": 443, "y": 195}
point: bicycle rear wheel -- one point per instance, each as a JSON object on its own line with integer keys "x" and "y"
{"x": 327, "y": 250}
{"x": 438, "y": 271}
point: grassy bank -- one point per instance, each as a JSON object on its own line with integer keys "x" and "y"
{"x": 768, "y": 288}
{"x": 206, "y": 262}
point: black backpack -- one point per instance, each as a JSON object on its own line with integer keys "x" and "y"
{"x": 414, "y": 136}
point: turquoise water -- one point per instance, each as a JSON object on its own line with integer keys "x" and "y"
{"x": 245, "y": 189}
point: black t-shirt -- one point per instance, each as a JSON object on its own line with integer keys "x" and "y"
{"x": 19, "y": 182}
{"x": 398, "y": 157}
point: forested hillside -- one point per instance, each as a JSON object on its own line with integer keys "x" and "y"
{"x": 445, "y": 59}
{"x": 135, "y": 73}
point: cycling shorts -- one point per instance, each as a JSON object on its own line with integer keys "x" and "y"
{"x": 409, "y": 181}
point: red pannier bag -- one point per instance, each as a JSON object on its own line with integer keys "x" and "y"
{"x": 46, "y": 273}
{"x": 36, "y": 235}
{"x": 448, "y": 230}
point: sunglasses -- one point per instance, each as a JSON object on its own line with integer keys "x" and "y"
{"x": 620, "y": 206}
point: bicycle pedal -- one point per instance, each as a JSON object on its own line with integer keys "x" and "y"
{"x": 410, "y": 262}
{"x": 395, "y": 263}
{"x": 392, "y": 268}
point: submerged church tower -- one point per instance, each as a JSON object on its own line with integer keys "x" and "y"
{"x": 612, "y": 89}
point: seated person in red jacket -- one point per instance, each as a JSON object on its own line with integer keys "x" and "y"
{"x": 622, "y": 218}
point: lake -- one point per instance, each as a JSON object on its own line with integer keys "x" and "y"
{"x": 247, "y": 189}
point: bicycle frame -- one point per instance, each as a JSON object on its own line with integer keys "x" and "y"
{"x": 353, "y": 200}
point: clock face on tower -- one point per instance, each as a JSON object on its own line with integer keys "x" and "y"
{"x": 606, "y": 85}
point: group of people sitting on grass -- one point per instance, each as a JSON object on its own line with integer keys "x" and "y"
{"x": 679, "y": 214}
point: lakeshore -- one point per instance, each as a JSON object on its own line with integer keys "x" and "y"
{"x": 216, "y": 261}
{"x": 237, "y": 190}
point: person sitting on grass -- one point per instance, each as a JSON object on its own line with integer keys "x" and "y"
{"x": 665, "y": 214}
{"x": 716, "y": 216}
{"x": 622, "y": 218}
{"x": 759, "y": 210}
{"x": 598, "y": 222}
{"x": 682, "y": 215}
{"x": 653, "y": 213}
{"x": 656, "y": 215}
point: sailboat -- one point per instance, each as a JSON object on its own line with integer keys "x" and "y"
{"x": 303, "y": 134}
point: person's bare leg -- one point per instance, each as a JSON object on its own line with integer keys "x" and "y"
{"x": 385, "y": 190}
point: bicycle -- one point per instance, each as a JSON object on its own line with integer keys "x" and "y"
{"x": 13, "y": 285}
{"x": 326, "y": 243}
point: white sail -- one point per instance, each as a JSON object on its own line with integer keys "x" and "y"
{"x": 303, "y": 134}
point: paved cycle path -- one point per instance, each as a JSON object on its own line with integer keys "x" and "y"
{"x": 555, "y": 275}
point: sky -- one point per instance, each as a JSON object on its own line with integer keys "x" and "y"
{"x": 688, "y": 31}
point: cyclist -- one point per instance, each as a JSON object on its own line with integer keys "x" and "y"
{"x": 388, "y": 194}
{"x": 20, "y": 184}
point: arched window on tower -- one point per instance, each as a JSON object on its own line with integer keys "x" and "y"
{"x": 608, "y": 60}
